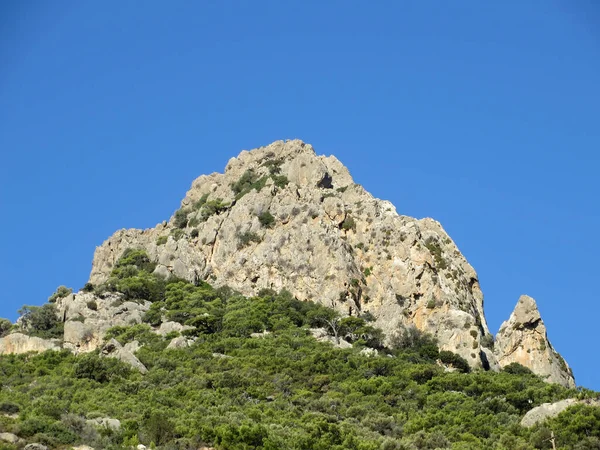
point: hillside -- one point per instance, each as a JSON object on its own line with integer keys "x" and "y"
{"x": 283, "y": 306}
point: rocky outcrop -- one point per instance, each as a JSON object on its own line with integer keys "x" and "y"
{"x": 281, "y": 217}
{"x": 523, "y": 339}
{"x": 10, "y": 438}
{"x": 105, "y": 422}
{"x": 113, "y": 349}
{"x": 17, "y": 343}
{"x": 546, "y": 411}
{"x": 88, "y": 316}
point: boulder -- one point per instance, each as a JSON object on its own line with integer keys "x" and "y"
{"x": 105, "y": 422}
{"x": 546, "y": 411}
{"x": 35, "y": 447}
{"x": 113, "y": 349}
{"x": 10, "y": 438}
{"x": 17, "y": 343}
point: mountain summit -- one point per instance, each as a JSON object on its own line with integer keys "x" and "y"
{"x": 282, "y": 217}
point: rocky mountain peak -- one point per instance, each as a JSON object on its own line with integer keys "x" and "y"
{"x": 283, "y": 217}
{"x": 523, "y": 339}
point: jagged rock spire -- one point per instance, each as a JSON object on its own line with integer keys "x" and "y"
{"x": 523, "y": 339}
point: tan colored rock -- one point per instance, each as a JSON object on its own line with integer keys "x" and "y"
{"x": 546, "y": 411}
{"x": 523, "y": 339}
{"x": 332, "y": 242}
{"x": 17, "y": 343}
{"x": 179, "y": 342}
{"x": 86, "y": 327}
{"x": 10, "y": 438}
{"x": 112, "y": 349}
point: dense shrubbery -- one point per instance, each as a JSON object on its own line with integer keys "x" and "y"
{"x": 41, "y": 321}
{"x": 5, "y": 326}
{"x": 61, "y": 291}
{"x": 282, "y": 390}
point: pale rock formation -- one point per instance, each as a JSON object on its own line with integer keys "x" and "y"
{"x": 179, "y": 342}
{"x": 36, "y": 446}
{"x": 171, "y": 327}
{"x": 112, "y": 349}
{"x": 105, "y": 422}
{"x": 88, "y": 316}
{"x": 322, "y": 335}
{"x": 10, "y": 438}
{"x": 331, "y": 242}
{"x": 17, "y": 343}
{"x": 523, "y": 339}
{"x": 546, "y": 411}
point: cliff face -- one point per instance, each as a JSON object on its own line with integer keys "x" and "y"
{"x": 523, "y": 339}
{"x": 282, "y": 217}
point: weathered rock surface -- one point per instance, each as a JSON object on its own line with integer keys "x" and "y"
{"x": 105, "y": 422}
{"x": 36, "y": 447}
{"x": 113, "y": 349}
{"x": 17, "y": 343}
{"x": 88, "y": 316}
{"x": 546, "y": 411}
{"x": 330, "y": 241}
{"x": 179, "y": 342}
{"x": 300, "y": 223}
{"x": 10, "y": 438}
{"x": 523, "y": 339}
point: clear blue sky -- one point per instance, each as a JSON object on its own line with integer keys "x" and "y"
{"x": 483, "y": 115}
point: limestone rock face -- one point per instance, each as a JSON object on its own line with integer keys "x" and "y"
{"x": 329, "y": 241}
{"x": 17, "y": 343}
{"x": 523, "y": 339}
{"x": 112, "y": 349}
{"x": 87, "y": 317}
{"x": 546, "y": 411}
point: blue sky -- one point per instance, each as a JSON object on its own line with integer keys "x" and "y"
{"x": 483, "y": 115}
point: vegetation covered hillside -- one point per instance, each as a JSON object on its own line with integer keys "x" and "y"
{"x": 255, "y": 378}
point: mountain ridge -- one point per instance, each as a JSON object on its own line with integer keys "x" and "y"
{"x": 282, "y": 217}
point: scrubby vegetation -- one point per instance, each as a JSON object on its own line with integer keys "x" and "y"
{"x": 41, "y": 321}
{"x": 61, "y": 291}
{"x": 255, "y": 378}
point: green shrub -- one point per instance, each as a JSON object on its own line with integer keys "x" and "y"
{"x": 137, "y": 258}
{"x": 9, "y": 408}
{"x": 487, "y": 341}
{"x": 247, "y": 182}
{"x": 88, "y": 287}
{"x": 244, "y": 239}
{"x": 455, "y": 361}
{"x": 213, "y": 207}
{"x": 517, "y": 369}
{"x": 280, "y": 180}
{"x": 194, "y": 233}
{"x": 266, "y": 219}
{"x": 434, "y": 247}
{"x": 200, "y": 203}
{"x": 5, "y": 326}
{"x": 41, "y": 321}
{"x": 102, "y": 370}
{"x": 61, "y": 291}
{"x": 348, "y": 224}
{"x": 180, "y": 219}
{"x": 162, "y": 240}
{"x": 91, "y": 304}
{"x": 177, "y": 233}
